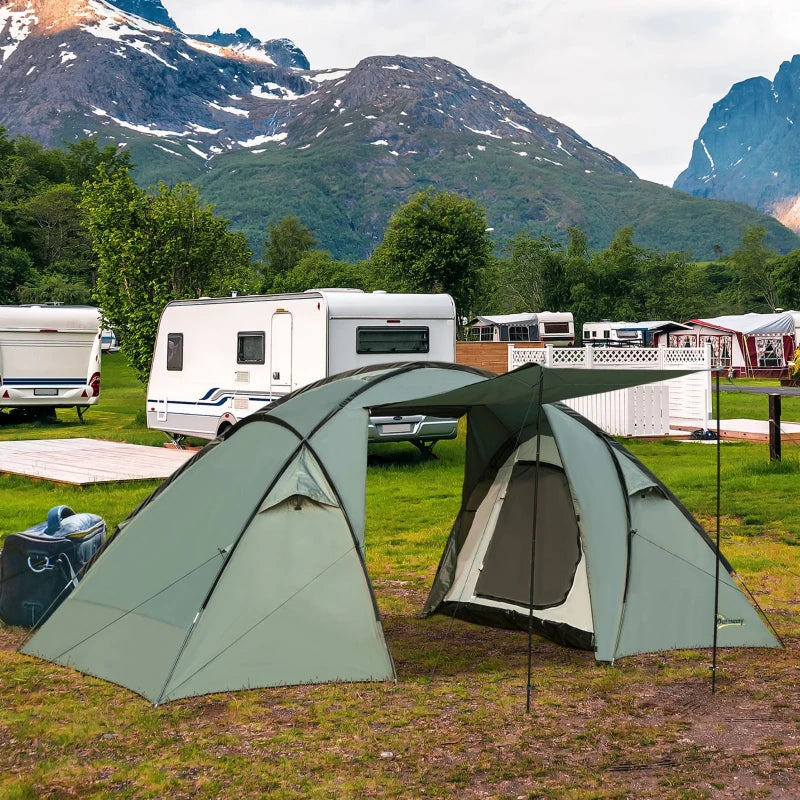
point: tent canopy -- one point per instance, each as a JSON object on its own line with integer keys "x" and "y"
{"x": 246, "y": 568}
{"x": 782, "y": 324}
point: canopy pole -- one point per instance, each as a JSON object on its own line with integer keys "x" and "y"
{"x": 533, "y": 537}
{"x": 716, "y": 572}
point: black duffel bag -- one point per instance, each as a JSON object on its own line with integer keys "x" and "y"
{"x": 39, "y": 567}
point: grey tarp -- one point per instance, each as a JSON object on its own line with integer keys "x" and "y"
{"x": 246, "y": 569}
{"x": 753, "y": 323}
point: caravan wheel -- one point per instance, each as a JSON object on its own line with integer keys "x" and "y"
{"x": 225, "y": 426}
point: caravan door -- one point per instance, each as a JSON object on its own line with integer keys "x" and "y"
{"x": 280, "y": 344}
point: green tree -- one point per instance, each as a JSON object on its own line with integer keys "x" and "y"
{"x": 16, "y": 266}
{"x": 753, "y": 264}
{"x": 51, "y": 223}
{"x": 787, "y": 279}
{"x": 82, "y": 158}
{"x": 55, "y": 287}
{"x": 317, "y": 270}
{"x": 289, "y": 240}
{"x": 436, "y": 243}
{"x": 153, "y": 248}
{"x": 524, "y": 273}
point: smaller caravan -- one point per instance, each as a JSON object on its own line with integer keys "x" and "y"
{"x": 548, "y": 327}
{"x": 49, "y": 357}
{"x": 218, "y": 360}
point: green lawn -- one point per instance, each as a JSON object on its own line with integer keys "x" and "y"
{"x": 454, "y": 724}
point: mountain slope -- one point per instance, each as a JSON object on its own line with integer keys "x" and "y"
{"x": 264, "y": 136}
{"x": 749, "y": 148}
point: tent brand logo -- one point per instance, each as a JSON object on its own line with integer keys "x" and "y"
{"x": 724, "y": 622}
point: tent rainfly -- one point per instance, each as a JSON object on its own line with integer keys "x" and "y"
{"x": 245, "y": 569}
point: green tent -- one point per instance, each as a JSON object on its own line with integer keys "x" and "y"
{"x": 245, "y": 569}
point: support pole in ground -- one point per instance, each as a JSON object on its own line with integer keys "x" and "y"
{"x": 528, "y": 687}
{"x": 774, "y": 427}
{"x": 716, "y": 564}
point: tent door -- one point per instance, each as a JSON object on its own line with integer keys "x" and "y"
{"x": 505, "y": 573}
{"x": 281, "y": 352}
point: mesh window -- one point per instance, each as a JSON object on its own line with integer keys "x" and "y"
{"x": 250, "y": 347}
{"x": 174, "y": 352}
{"x": 505, "y": 575}
{"x": 392, "y": 340}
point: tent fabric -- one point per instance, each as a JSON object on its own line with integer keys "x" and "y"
{"x": 246, "y": 567}
{"x": 752, "y": 323}
{"x": 629, "y": 524}
{"x": 505, "y": 319}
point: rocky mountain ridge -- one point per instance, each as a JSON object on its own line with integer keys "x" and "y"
{"x": 749, "y": 148}
{"x": 92, "y": 60}
{"x": 263, "y": 135}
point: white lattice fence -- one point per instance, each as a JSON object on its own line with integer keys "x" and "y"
{"x": 641, "y": 411}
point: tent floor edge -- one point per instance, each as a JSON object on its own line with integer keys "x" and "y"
{"x": 558, "y": 632}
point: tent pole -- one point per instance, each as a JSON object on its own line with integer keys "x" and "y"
{"x": 533, "y": 536}
{"x": 716, "y": 573}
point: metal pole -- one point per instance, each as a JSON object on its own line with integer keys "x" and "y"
{"x": 533, "y": 539}
{"x": 716, "y": 572}
{"x": 774, "y": 427}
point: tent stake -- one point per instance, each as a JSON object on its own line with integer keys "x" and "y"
{"x": 533, "y": 537}
{"x": 716, "y": 573}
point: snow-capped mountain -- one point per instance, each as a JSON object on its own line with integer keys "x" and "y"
{"x": 749, "y": 148}
{"x": 264, "y": 135}
{"x": 86, "y": 67}
{"x": 151, "y": 10}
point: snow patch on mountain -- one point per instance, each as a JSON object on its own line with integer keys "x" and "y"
{"x": 167, "y": 150}
{"x": 229, "y": 109}
{"x": 129, "y": 31}
{"x": 515, "y": 124}
{"x": 484, "y": 133}
{"x": 257, "y": 140}
{"x": 322, "y": 77}
{"x": 275, "y": 91}
{"x": 256, "y": 53}
{"x": 15, "y": 27}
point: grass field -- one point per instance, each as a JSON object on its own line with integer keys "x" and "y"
{"x": 454, "y": 723}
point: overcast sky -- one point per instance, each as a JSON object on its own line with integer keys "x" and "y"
{"x": 635, "y": 78}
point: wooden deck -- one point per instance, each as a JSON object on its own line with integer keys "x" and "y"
{"x": 756, "y": 430}
{"x": 86, "y": 461}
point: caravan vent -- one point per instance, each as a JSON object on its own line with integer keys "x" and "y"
{"x": 241, "y": 402}
{"x": 242, "y": 377}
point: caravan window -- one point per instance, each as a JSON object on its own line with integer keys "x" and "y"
{"x": 174, "y": 352}
{"x": 392, "y": 340}
{"x": 556, "y": 327}
{"x": 250, "y": 347}
{"x": 481, "y": 333}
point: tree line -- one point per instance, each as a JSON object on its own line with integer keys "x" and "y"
{"x": 75, "y": 228}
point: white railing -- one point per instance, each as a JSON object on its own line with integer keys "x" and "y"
{"x": 644, "y": 410}
{"x": 609, "y": 357}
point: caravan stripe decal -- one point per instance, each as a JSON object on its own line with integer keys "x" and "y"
{"x": 220, "y": 397}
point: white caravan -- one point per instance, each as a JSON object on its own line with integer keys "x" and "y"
{"x": 49, "y": 357}
{"x": 548, "y": 327}
{"x": 217, "y": 360}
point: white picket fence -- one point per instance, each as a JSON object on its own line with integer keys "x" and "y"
{"x": 648, "y": 410}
